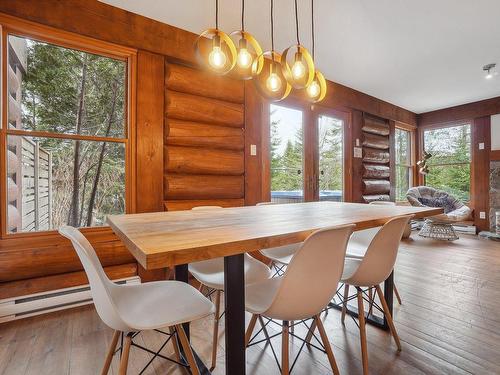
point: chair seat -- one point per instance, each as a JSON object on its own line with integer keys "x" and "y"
{"x": 259, "y": 296}
{"x": 355, "y": 250}
{"x": 160, "y": 304}
{"x": 211, "y": 272}
{"x": 351, "y": 265}
{"x": 281, "y": 254}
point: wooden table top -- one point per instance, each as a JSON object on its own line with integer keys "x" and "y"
{"x": 163, "y": 239}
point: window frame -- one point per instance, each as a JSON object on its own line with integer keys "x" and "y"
{"x": 27, "y": 29}
{"x": 443, "y": 125}
{"x": 411, "y": 166}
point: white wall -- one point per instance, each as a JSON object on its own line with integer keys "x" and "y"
{"x": 495, "y": 132}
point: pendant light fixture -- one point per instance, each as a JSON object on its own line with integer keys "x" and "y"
{"x": 316, "y": 90}
{"x": 268, "y": 71}
{"x": 215, "y": 49}
{"x": 248, "y": 49}
{"x": 301, "y": 73}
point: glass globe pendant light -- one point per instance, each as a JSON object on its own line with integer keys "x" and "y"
{"x": 316, "y": 90}
{"x": 214, "y": 49}
{"x": 301, "y": 73}
{"x": 248, "y": 49}
{"x": 267, "y": 71}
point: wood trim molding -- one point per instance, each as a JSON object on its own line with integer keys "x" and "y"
{"x": 480, "y": 170}
{"x": 495, "y": 155}
{"x": 462, "y": 112}
{"x": 102, "y": 21}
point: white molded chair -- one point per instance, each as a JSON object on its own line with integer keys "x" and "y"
{"x": 280, "y": 256}
{"x": 360, "y": 241}
{"x": 131, "y": 308}
{"x": 210, "y": 273}
{"x": 370, "y": 271}
{"x": 307, "y": 286}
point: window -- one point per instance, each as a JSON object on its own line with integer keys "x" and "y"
{"x": 331, "y": 158}
{"x": 65, "y": 133}
{"x": 403, "y": 163}
{"x": 449, "y": 166}
{"x": 287, "y": 154}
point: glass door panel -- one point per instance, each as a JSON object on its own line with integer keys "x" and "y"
{"x": 287, "y": 154}
{"x": 331, "y": 158}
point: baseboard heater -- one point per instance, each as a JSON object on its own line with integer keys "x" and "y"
{"x": 54, "y": 300}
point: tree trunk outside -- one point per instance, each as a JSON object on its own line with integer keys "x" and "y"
{"x": 73, "y": 211}
{"x": 90, "y": 210}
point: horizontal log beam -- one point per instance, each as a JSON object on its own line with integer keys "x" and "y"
{"x": 66, "y": 280}
{"x": 196, "y": 134}
{"x": 189, "y": 107}
{"x": 195, "y": 160}
{"x": 179, "y": 205}
{"x": 179, "y": 186}
{"x": 202, "y": 83}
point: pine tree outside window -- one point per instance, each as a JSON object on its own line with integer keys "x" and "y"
{"x": 66, "y": 133}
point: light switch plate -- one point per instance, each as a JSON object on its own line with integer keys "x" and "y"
{"x": 482, "y": 215}
{"x": 357, "y": 142}
{"x": 253, "y": 150}
{"x": 358, "y": 152}
{"x": 481, "y": 146}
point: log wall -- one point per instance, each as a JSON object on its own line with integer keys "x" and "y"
{"x": 204, "y": 142}
{"x": 376, "y": 175}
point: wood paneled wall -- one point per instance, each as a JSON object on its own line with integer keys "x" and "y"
{"x": 204, "y": 159}
{"x": 193, "y": 134}
{"x": 468, "y": 111}
{"x": 479, "y": 113}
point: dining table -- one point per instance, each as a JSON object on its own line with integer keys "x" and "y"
{"x": 175, "y": 239}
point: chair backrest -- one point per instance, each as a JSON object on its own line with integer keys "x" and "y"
{"x": 383, "y": 203}
{"x": 311, "y": 278}
{"x": 380, "y": 257}
{"x": 264, "y": 203}
{"x": 205, "y": 208}
{"x": 100, "y": 286}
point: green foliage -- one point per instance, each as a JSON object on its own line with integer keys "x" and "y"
{"x": 287, "y": 168}
{"x": 449, "y": 168}
{"x": 403, "y": 161}
{"x": 51, "y": 93}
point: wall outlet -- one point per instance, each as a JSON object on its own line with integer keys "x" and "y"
{"x": 482, "y": 215}
{"x": 481, "y": 146}
{"x": 253, "y": 150}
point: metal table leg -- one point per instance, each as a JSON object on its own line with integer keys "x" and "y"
{"x": 234, "y": 299}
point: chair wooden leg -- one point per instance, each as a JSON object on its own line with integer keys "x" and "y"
{"x": 362, "y": 331}
{"x": 175, "y": 343}
{"x": 311, "y": 332}
{"x": 326, "y": 344}
{"x": 371, "y": 298}
{"x": 388, "y": 316}
{"x": 125, "y": 353}
{"x": 285, "y": 340}
{"x": 396, "y": 293}
{"x": 215, "y": 338}
{"x": 111, "y": 352}
{"x": 250, "y": 329}
{"x": 188, "y": 352}
{"x": 344, "y": 304}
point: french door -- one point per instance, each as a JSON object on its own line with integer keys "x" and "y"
{"x": 307, "y": 154}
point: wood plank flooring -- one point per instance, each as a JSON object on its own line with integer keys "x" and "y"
{"x": 449, "y": 323}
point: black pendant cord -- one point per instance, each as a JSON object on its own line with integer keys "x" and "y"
{"x": 297, "y": 21}
{"x": 242, "y": 15}
{"x": 272, "y": 26}
{"x": 217, "y": 14}
{"x": 312, "y": 27}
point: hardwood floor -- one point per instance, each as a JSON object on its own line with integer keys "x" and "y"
{"x": 449, "y": 323}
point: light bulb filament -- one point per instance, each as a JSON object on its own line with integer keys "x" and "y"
{"x": 217, "y": 58}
